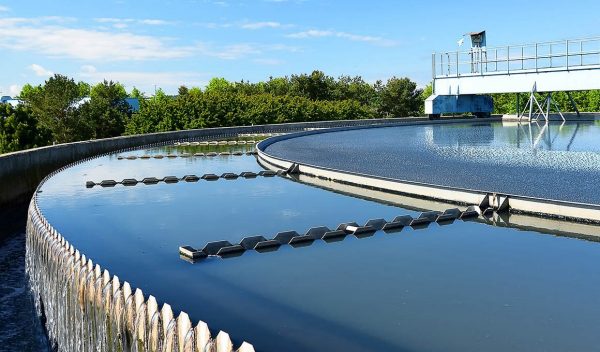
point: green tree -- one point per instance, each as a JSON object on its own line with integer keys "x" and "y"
{"x": 183, "y": 90}
{"x": 425, "y": 93}
{"x": 19, "y": 129}
{"x": 399, "y": 98}
{"x": 28, "y": 91}
{"x": 55, "y": 106}
{"x": 106, "y": 111}
{"x": 354, "y": 88}
{"x": 316, "y": 86}
{"x": 278, "y": 86}
{"x": 219, "y": 84}
{"x": 84, "y": 89}
{"x": 135, "y": 93}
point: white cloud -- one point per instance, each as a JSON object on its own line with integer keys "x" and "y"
{"x": 49, "y": 36}
{"x": 154, "y": 22}
{"x": 311, "y": 34}
{"x": 14, "y": 90}
{"x": 314, "y": 33}
{"x": 214, "y": 25}
{"x": 88, "y": 69}
{"x": 243, "y": 25}
{"x": 121, "y": 23}
{"x": 282, "y": 1}
{"x": 145, "y": 80}
{"x": 230, "y": 52}
{"x": 242, "y": 50}
{"x": 56, "y": 37}
{"x": 260, "y": 25}
{"x": 40, "y": 71}
{"x": 4, "y": 9}
{"x": 269, "y": 62}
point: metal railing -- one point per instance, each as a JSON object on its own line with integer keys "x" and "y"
{"x": 545, "y": 56}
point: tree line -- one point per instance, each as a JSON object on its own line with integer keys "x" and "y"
{"x": 586, "y": 101}
{"x": 62, "y": 110}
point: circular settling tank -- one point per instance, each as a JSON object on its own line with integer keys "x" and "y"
{"x": 434, "y": 285}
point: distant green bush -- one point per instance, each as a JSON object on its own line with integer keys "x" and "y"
{"x": 216, "y": 109}
{"x": 19, "y": 129}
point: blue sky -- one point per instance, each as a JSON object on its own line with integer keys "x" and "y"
{"x": 169, "y": 43}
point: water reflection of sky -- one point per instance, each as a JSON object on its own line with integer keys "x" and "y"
{"x": 465, "y": 286}
{"x": 548, "y": 161}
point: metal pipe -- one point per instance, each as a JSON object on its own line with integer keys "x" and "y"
{"x": 522, "y": 55}
{"x": 536, "y": 57}
{"x": 457, "y": 73}
{"x": 567, "y": 52}
{"x": 480, "y": 61}
{"x": 508, "y": 59}
{"x": 496, "y": 61}
{"x": 441, "y": 63}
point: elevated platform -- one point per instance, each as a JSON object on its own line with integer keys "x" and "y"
{"x": 568, "y": 65}
{"x": 546, "y": 80}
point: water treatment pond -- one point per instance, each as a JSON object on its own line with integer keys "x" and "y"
{"x": 465, "y": 286}
{"x": 553, "y": 161}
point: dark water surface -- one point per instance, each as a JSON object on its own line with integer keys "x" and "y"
{"x": 462, "y": 287}
{"x": 554, "y": 161}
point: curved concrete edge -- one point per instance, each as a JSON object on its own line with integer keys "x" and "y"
{"x": 571, "y": 211}
{"x": 549, "y": 225}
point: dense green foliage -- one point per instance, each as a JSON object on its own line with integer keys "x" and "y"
{"x": 587, "y": 101}
{"x": 19, "y": 129}
{"x": 306, "y": 97}
{"x": 62, "y": 110}
{"x": 215, "y": 109}
{"x": 59, "y": 107}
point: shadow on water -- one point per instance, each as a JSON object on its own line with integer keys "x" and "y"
{"x": 20, "y": 326}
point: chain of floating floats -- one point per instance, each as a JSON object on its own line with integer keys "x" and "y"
{"x": 186, "y": 178}
{"x": 226, "y": 249}
{"x": 212, "y": 143}
{"x": 185, "y": 155}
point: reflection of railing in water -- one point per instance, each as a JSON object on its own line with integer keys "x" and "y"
{"x": 544, "y": 133}
{"x": 570, "y": 54}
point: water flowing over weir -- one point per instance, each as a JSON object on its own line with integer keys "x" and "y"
{"x": 87, "y": 309}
